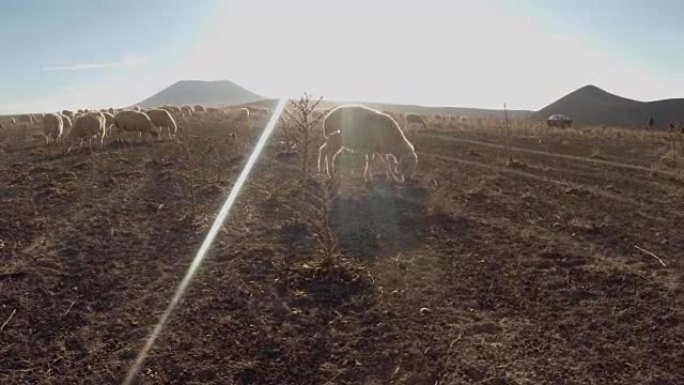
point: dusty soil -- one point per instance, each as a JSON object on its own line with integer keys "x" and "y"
{"x": 481, "y": 271}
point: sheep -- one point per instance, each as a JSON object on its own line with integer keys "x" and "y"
{"x": 13, "y": 121}
{"x": 136, "y": 108}
{"x": 363, "y": 129}
{"x": 163, "y": 119}
{"x": 239, "y": 117}
{"x": 198, "y": 108}
{"x": 86, "y": 126}
{"x": 109, "y": 121}
{"x": 52, "y": 127}
{"x": 186, "y": 111}
{"x": 136, "y": 121}
{"x": 26, "y": 119}
{"x": 66, "y": 123}
{"x": 398, "y": 117}
{"x": 415, "y": 119}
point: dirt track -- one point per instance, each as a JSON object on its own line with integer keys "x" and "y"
{"x": 526, "y": 273}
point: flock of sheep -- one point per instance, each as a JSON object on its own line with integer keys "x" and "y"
{"x": 353, "y": 128}
{"x": 69, "y": 127}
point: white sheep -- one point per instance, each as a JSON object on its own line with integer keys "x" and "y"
{"x": 362, "y": 129}
{"x": 199, "y": 108}
{"x": 239, "y": 119}
{"x": 66, "y": 123}
{"x": 163, "y": 119}
{"x": 53, "y": 127}
{"x": 13, "y": 121}
{"x": 109, "y": 121}
{"x": 86, "y": 126}
{"x": 134, "y": 121}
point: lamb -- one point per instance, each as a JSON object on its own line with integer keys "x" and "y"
{"x": 163, "y": 119}
{"x": 86, "y": 126}
{"x": 134, "y": 121}
{"x": 363, "y": 129}
{"x": 415, "y": 119}
{"x": 52, "y": 127}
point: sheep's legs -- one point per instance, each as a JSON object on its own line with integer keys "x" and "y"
{"x": 332, "y": 163}
{"x": 367, "y": 176}
{"x": 323, "y": 156}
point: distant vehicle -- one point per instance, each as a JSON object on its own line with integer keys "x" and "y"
{"x": 559, "y": 120}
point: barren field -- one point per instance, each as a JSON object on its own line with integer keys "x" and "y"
{"x": 482, "y": 271}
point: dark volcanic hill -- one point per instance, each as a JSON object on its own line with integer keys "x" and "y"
{"x": 217, "y": 93}
{"x": 591, "y": 105}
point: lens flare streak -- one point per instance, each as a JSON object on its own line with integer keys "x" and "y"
{"x": 206, "y": 244}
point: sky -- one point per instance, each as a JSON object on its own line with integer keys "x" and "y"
{"x": 69, "y": 54}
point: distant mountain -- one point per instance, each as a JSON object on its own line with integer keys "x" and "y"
{"x": 476, "y": 113}
{"x": 217, "y": 93}
{"x": 591, "y": 105}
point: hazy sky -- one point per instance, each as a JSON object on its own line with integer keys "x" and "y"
{"x": 478, "y": 53}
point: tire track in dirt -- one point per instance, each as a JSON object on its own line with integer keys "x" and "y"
{"x": 627, "y": 166}
{"x": 607, "y": 178}
{"x": 596, "y": 221}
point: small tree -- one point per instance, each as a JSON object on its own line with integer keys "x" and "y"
{"x": 300, "y": 117}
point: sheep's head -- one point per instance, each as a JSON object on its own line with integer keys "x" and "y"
{"x": 407, "y": 164}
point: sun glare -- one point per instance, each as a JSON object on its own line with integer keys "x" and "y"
{"x": 206, "y": 244}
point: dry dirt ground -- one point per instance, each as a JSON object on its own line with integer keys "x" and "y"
{"x": 482, "y": 271}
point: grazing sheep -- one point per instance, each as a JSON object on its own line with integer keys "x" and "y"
{"x": 398, "y": 117}
{"x": 86, "y": 126}
{"x": 199, "y": 108}
{"x": 1, "y": 126}
{"x": 13, "y": 121}
{"x": 363, "y": 129}
{"x": 186, "y": 111}
{"x": 25, "y": 119}
{"x": 415, "y": 119}
{"x": 109, "y": 121}
{"x": 163, "y": 119}
{"x": 52, "y": 127}
{"x": 66, "y": 123}
{"x": 134, "y": 121}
